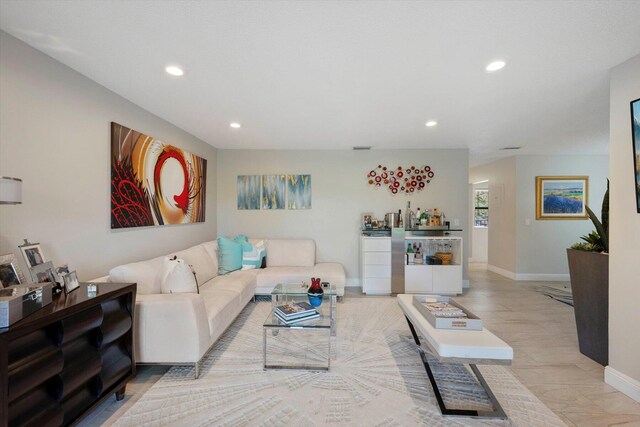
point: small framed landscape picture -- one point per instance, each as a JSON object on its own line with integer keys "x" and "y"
{"x": 32, "y": 254}
{"x": 561, "y": 197}
{"x": 71, "y": 282}
{"x": 10, "y": 273}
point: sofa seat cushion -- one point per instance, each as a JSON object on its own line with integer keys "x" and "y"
{"x": 222, "y": 307}
{"x": 331, "y": 272}
{"x": 271, "y": 276}
{"x": 241, "y": 282}
{"x": 291, "y": 253}
{"x": 147, "y": 274}
{"x": 201, "y": 262}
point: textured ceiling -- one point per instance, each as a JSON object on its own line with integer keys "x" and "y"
{"x": 332, "y": 75}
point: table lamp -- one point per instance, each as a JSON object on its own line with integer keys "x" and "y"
{"x": 10, "y": 190}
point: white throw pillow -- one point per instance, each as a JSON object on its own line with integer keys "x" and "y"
{"x": 177, "y": 277}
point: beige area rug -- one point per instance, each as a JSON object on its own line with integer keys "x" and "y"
{"x": 376, "y": 379}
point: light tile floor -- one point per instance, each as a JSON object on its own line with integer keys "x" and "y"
{"x": 547, "y": 359}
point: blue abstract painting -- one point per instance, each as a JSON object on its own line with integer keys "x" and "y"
{"x": 299, "y": 191}
{"x": 273, "y": 191}
{"x": 635, "y": 119}
{"x": 248, "y": 192}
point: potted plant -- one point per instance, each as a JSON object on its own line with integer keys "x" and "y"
{"x": 589, "y": 272}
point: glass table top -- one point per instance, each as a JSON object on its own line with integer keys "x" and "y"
{"x": 299, "y": 289}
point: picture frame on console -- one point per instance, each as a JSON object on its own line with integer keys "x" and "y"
{"x": 10, "y": 273}
{"x": 635, "y": 136}
{"x": 44, "y": 272}
{"x": 71, "y": 282}
{"x": 32, "y": 253}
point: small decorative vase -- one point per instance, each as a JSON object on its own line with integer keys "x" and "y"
{"x": 315, "y": 292}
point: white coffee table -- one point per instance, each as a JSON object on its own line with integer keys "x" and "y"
{"x": 457, "y": 346}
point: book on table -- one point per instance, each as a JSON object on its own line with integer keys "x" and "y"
{"x": 309, "y": 316}
{"x": 444, "y": 309}
{"x": 293, "y": 310}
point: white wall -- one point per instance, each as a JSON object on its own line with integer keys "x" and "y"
{"x": 340, "y": 195}
{"x": 55, "y": 135}
{"x": 521, "y": 247}
{"x": 623, "y": 371}
{"x": 501, "y": 174}
{"x": 541, "y": 246}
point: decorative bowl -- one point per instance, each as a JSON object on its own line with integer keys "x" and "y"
{"x": 445, "y": 257}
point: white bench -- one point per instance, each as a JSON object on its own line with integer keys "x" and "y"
{"x": 457, "y": 346}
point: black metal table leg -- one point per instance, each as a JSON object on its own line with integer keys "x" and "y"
{"x": 498, "y": 412}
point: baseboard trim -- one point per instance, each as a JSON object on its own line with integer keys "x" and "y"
{"x": 533, "y": 277}
{"x": 352, "y": 283}
{"x": 501, "y": 271}
{"x": 622, "y": 382}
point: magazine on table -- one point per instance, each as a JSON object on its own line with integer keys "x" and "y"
{"x": 293, "y": 310}
{"x": 444, "y": 309}
{"x": 298, "y": 319}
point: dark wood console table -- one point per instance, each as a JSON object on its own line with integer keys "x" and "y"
{"x": 60, "y": 362}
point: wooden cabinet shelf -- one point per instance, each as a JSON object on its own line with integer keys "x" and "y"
{"x": 63, "y": 360}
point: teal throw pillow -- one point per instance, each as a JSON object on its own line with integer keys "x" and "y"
{"x": 229, "y": 255}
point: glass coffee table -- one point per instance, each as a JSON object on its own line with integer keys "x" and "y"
{"x": 285, "y": 292}
{"x": 297, "y": 345}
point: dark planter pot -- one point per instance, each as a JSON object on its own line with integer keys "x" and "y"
{"x": 589, "y": 273}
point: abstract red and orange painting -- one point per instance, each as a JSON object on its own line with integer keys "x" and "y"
{"x": 153, "y": 183}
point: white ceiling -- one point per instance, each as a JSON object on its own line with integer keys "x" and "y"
{"x": 332, "y": 75}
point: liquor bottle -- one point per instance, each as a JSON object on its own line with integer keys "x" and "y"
{"x": 418, "y": 216}
{"x": 400, "y": 223}
{"x": 418, "y": 255}
{"x": 409, "y": 249}
{"x": 409, "y": 216}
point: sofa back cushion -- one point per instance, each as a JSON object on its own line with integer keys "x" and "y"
{"x": 147, "y": 274}
{"x": 291, "y": 253}
{"x": 204, "y": 265}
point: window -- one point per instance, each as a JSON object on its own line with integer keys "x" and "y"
{"x": 481, "y": 208}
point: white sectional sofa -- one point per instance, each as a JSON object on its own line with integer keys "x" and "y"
{"x": 179, "y": 329}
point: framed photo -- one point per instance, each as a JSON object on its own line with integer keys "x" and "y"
{"x": 71, "y": 282}
{"x": 10, "y": 273}
{"x": 635, "y": 133}
{"x": 561, "y": 197}
{"x": 32, "y": 254}
{"x": 44, "y": 272}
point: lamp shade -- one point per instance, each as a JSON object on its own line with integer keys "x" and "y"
{"x": 10, "y": 190}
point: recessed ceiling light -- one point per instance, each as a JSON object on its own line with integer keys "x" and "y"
{"x": 235, "y": 125}
{"x": 174, "y": 71}
{"x": 495, "y": 66}
{"x": 431, "y": 123}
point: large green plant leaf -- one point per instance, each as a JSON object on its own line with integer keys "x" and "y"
{"x": 599, "y": 229}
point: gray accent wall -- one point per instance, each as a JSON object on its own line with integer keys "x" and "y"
{"x": 340, "y": 195}
{"x": 55, "y": 135}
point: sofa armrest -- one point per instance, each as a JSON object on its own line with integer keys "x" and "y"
{"x": 171, "y": 328}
